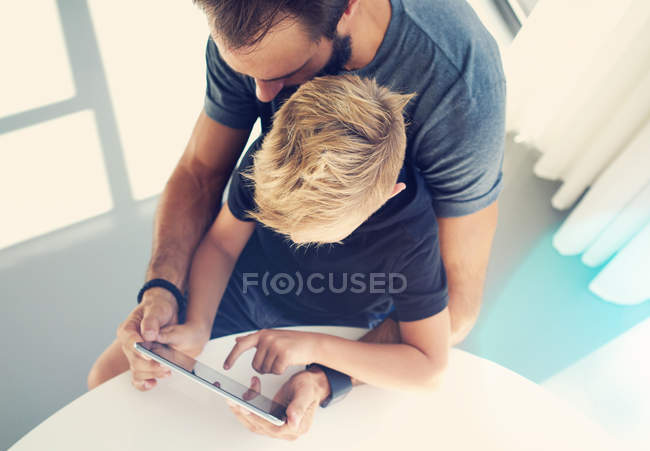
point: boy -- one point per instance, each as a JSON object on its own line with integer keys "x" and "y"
{"x": 327, "y": 223}
{"x": 333, "y": 171}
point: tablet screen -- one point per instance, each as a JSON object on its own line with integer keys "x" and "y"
{"x": 221, "y": 383}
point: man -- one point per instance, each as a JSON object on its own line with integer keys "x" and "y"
{"x": 258, "y": 53}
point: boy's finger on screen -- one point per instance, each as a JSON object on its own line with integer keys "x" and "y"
{"x": 240, "y": 347}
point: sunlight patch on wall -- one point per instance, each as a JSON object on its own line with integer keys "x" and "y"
{"x": 36, "y": 72}
{"x": 156, "y": 75}
{"x": 51, "y": 175}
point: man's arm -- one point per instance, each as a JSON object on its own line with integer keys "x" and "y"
{"x": 184, "y": 212}
{"x": 192, "y": 196}
{"x": 465, "y": 244}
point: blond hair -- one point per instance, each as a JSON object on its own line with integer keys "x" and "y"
{"x": 335, "y": 151}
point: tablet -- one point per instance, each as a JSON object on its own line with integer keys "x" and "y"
{"x": 210, "y": 378}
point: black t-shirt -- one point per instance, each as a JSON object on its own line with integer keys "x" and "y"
{"x": 392, "y": 257}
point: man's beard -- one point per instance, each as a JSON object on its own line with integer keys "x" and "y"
{"x": 341, "y": 53}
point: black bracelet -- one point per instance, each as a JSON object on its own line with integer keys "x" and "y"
{"x": 166, "y": 284}
{"x": 340, "y": 384}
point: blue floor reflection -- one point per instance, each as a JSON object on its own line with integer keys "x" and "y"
{"x": 545, "y": 318}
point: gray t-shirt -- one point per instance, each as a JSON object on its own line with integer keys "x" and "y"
{"x": 440, "y": 50}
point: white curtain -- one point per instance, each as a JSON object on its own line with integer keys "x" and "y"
{"x": 579, "y": 91}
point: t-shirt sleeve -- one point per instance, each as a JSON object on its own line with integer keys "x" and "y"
{"x": 423, "y": 292}
{"x": 229, "y": 98}
{"x": 241, "y": 191}
{"x": 460, "y": 153}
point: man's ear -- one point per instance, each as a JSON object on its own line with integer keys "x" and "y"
{"x": 398, "y": 188}
{"x": 343, "y": 27}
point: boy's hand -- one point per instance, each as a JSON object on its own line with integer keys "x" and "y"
{"x": 189, "y": 338}
{"x": 301, "y": 394}
{"x": 276, "y": 349}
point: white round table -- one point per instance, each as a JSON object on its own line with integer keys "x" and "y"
{"x": 480, "y": 406}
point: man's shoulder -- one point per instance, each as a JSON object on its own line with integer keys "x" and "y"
{"x": 459, "y": 36}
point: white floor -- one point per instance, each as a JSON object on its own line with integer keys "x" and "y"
{"x": 611, "y": 385}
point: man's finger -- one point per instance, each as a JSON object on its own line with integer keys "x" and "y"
{"x": 260, "y": 426}
{"x": 150, "y": 325}
{"x": 134, "y": 356}
{"x": 307, "y": 418}
{"x": 240, "y": 410}
{"x": 244, "y": 417}
{"x": 298, "y": 407}
{"x": 255, "y": 423}
{"x": 243, "y": 345}
{"x": 171, "y": 335}
{"x": 139, "y": 362}
{"x": 143, "y": 384}
{"x": 157, "y": 374}
{"x": 129, "y": 334}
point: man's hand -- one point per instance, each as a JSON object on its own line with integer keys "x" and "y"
{"x": 302, "y": 395}
{"x": 276, "y": 349}
{"x": 188, "y": 338}
{"x": 157, "y": 309}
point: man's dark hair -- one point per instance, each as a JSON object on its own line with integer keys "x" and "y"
{"x": 243, "y": 23}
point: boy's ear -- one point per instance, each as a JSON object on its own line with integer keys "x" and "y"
{"x": 399, "y": 187}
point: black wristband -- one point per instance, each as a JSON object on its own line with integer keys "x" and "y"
{"x": 166, "y": 284}
{"x": 340, "y": 384}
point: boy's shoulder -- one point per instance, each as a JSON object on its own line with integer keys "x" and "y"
{"x": 408, "y": 216}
